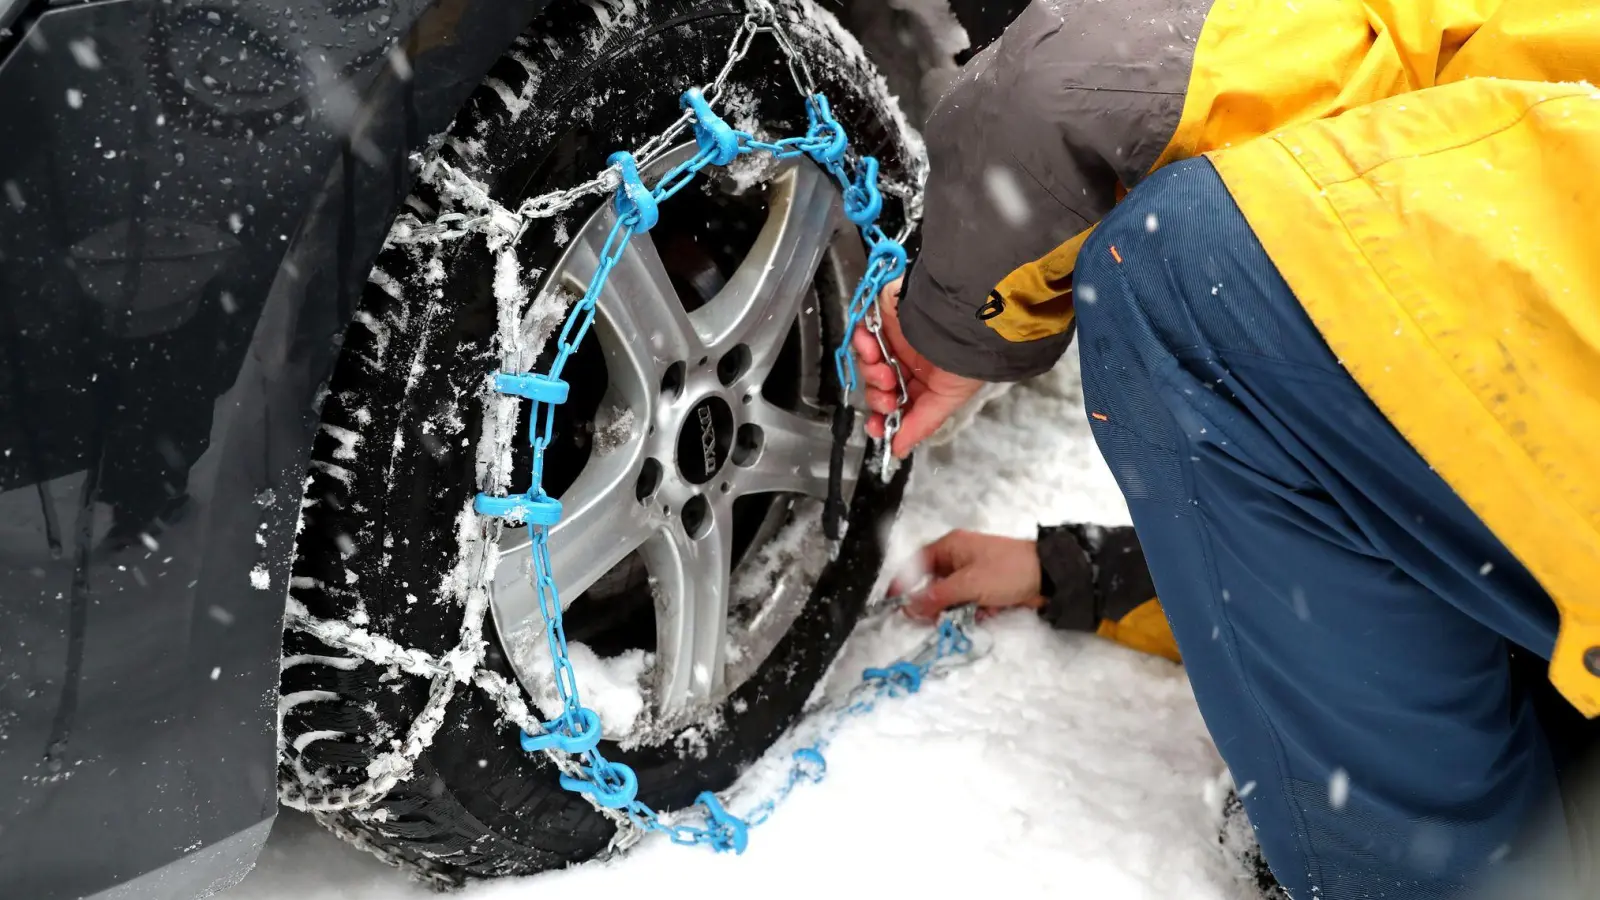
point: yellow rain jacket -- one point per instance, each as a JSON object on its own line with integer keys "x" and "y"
{"x": 1425, "y": 175}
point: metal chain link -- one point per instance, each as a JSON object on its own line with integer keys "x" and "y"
{"x": 873, "y": 319}
{"x": 423, "y": 870}
{"x": 502, "y": 228}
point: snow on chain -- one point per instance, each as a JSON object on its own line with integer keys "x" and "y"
{"x": 502, "y": 228}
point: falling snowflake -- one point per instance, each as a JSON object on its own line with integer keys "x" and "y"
{"x": 1338, "y": 788}
{"x": 1007, "y": 196}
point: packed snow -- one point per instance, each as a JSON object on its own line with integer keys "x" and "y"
{"x": 611, "y": 685}
{"x": 1056, "y": 765}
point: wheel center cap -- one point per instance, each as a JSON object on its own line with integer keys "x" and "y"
{"x": 705, "y": 440}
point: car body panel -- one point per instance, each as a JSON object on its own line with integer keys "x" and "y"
{"x": 191, "y": 194}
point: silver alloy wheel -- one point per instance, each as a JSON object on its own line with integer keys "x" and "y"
{"x": 690, "y": 433}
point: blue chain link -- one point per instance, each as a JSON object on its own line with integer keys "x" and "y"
{"x": 577, "y": 730}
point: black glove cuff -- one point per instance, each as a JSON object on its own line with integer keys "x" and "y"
{"x": 1067, "y": 578}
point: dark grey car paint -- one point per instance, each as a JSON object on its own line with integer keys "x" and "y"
{"x": 191, "y": 195}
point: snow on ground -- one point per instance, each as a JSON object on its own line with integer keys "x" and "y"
{"x": 1056, "y": 766}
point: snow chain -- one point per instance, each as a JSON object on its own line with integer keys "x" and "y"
{"x": 570, "y": 741}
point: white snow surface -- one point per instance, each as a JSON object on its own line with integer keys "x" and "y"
{"x": 611, "y": 686}
{"x": 1056, "y": 766}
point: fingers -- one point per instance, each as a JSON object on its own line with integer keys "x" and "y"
{"x": 880, "y": 376}
{"x": 923, "y": 418}
{"x": 968, "y": 568}
{"x": 937, "y": 559}
{"x": 875, "y": 370}
{"x": 961, "y": 587}
{"x": 889, "y": 298}
{"x": 949, "y": 562}
{"x": 948, "y": 553}
{"x": 866, "y": 346}
{"x": 882, "y": 402}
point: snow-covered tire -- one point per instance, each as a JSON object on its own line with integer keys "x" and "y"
{"x": 387, "y": 524}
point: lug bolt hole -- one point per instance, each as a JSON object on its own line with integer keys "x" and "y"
{"x": 649, "y": 480}
{"x": 697, "y": 517}
{"x": 736, "y": 363}
{"x": 703, "y": 361}
{"x": 724, "y": 487}
{"x": 672, "y": 382}
{"x": 747, "y": 444}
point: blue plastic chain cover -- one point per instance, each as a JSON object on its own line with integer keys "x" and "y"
{"x": 533, "y": 386}
{"x": 863, "y": 201}
{"x": 610, "y": 785}
{"x": 636, "y": 205}
{"x": 727, "y": 831}
{"x": 714, "y": 135}
{"x": 825, "y": 127}
{"x": 540, "y": 510}
{"x": 900, "y": 675}
{"x": 953, "y": 640}
{"x": 574, "y": 732}
{"x": 810, "y": 764}
{"x": 891, "y": 252}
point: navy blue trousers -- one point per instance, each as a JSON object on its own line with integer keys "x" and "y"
{"x": 1347, "y": 623}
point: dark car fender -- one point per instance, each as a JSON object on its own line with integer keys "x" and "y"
{"x": 191, "y": 195}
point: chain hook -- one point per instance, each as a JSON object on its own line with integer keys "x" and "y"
{"x": 761, "y": 12}
{"x": 609, "y": 785}
{"x": 717, "y": 140}
{"x": 725, "y": 832}
{"x": 575, "y": 731}
{"x": 901, "y": 676}
{"x": 809, "y": 764}
{"x": 863, "y": 201}
{"x": 636, "y": 205}
{"x": 826, "y": 137}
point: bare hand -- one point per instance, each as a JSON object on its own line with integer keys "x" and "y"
{"x": 934, "y": 393}
{"x": 967, "y": 567}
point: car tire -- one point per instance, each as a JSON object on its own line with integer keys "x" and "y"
{"x": 387, "y": 521}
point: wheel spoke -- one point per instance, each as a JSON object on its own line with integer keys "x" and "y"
{"x": 648, "y": 328}
{"x": 791, "y": 455}
{"x": 692, "y": 576}
{"x": 601, "y": 523}
{"x": 760, "y": 302}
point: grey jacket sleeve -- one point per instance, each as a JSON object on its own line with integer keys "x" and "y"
{"x": 1027, "y": 150}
